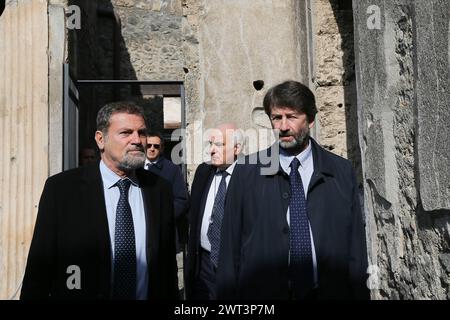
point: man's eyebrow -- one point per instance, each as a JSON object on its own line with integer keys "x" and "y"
{"x": 286, "y": 113}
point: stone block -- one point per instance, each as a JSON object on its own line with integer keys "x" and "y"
{"x": 433, "y": 101}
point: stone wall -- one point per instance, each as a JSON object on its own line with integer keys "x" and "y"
{"x": 24, "y": 127}
{"x": 215, "y": 48}
{"x": 402, "y": 70}
{"x": 132, "y": 40}
{"x": 334, "y": 79}
{"x": 241, "y": 42}
{"x": 57, "y": 55}
{"x": 190, "y": 28}
{"x": 152, "y": 39}
{"x": 218, "y": 48}
{"x": 83, "y": 61}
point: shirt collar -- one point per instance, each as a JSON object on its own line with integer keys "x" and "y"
{"x": 303, "y": 157}
{"x": 157, "y": 161}
{"x": 230, "y": 169}
{"x": 110, "y": 178}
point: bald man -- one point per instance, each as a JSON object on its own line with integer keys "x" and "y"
{"x": 206, "y": 212}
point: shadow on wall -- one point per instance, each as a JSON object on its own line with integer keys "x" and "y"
{"x": 343, "y": 14}
{"x": 98, "y": 51}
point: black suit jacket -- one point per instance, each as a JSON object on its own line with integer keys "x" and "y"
{"x": 255, "y": 235}
{"x": 172, "y": 173}
{"x": 72, "y": 229}
{"x": 199, "y": 192}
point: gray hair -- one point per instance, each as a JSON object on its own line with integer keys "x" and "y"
{"x": 105, "y": 113}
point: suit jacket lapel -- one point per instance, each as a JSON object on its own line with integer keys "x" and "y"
{"x": 205, "y": 185}
{"x": 95, "y": 202}
{"x": 322, "y": 165}
{"x": 323, "y": 170}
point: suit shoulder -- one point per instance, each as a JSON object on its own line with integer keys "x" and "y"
{"x": 173, "y": 171}
{"x": 170, "y": 164}
{"x": 69, "y": 175}
{"x": 152, "y": 179}
{"x": 338, "y": 160}
{"x": 202, "y": 168}
{"x": 257, "y": 159}
{"x": 342, "y": 167}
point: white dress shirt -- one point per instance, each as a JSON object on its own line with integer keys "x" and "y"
{"x": 112, "y": 195}
{"x": 204, "y": 241}
{"x": 306, "y": 170}
{"x": 148, "y": 162}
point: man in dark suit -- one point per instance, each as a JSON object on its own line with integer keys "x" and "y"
{"x": 206, "y": 212}
{"x": 163, "y": 167}
{"x": 105, "y": 231}
{"x": 293, "y": 227}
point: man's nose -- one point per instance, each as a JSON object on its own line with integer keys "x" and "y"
{"x": 136, "y": 138}
{"x": 284, "y": 124}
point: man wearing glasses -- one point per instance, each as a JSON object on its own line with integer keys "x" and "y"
{"x": 159, "y": 165}
{"x": 163, "y": 167}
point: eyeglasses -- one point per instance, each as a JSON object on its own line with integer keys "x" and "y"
{"x": 156, "y": 146}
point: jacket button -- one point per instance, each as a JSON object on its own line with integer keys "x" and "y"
{"x": 285, "y": 195}
{"x": 286, "y": 230}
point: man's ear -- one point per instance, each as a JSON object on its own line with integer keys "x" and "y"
{"x": 100, "y": 139}
{"x": 237, "y": 149}
{"x": 311, "y": 124}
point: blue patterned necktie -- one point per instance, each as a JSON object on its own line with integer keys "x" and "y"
{"x": 301, "y": 265}
{"x": 217, "y": 216}
{"x": 124, "y": 247}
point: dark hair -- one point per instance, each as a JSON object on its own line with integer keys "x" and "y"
{"x": 291, "y": 94}
{"x": 157, "y": 134}
{"x": 105, "y": 113}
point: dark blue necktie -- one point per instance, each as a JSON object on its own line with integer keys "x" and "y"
{"x": 301, "y": 265}
{"x": 217, "y": 216}
{"x": 124, "y": 247}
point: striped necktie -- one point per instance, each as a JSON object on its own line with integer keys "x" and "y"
{"x": 217, "y": 216}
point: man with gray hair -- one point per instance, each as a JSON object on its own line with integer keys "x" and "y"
{"x": 206, "y": 211}
{"x": 106, "y": 231}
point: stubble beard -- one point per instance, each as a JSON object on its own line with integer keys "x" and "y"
{"x": 299, "y": 142}
{"x": 132, "y": 162}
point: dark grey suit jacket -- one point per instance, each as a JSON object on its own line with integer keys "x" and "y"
{"x": 199, "y": 192}
{"x": 72, "y": 229}
{"x": 253, "y": 262}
